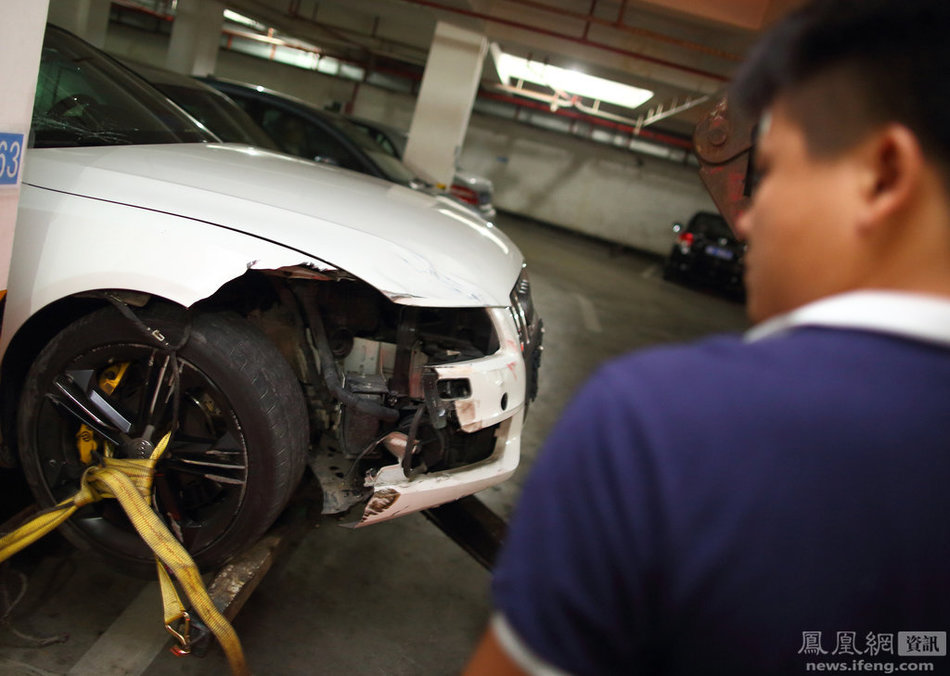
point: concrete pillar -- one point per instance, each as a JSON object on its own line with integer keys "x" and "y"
{"x": 88, "y": 19}
{"x": 21, "y": 39}
{"x": 196, "y": 34}
{"x": 444, "y": 105}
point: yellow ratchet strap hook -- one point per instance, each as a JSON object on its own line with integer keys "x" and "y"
{"x": 184, "y": 636}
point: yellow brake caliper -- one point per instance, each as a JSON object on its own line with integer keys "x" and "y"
{"x": 86, "y": 441}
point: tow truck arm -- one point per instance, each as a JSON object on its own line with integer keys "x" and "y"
{"x": 723, "y": 143}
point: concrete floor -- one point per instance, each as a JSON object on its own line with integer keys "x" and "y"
{"x": 396, "y": 598}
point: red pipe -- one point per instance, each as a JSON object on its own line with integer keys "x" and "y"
{"x": 619, "y": 24}
{"x": 590, "y": 13}
{"x": 620, "y": 12}
{"x": 145, "y": 10}
{"x": 348, "y": 108}
{"x": 660, "y": 137}
{"x": 571, "y": 38}
{"x": 275, "y": 42}
{"x": 294, "y": 13}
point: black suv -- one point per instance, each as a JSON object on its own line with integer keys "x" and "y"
{"x": 302, "y": 129}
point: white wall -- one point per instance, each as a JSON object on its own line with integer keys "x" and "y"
{"x": 565, "y": 180}
{"x": 590, "y": 187}
{"x": 582, "y": 185}
{"x": 385, "y": 106}
{"x": 136, "y": 45}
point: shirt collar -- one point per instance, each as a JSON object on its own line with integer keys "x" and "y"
{"x": 907, "y": 315}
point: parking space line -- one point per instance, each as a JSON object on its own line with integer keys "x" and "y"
{"x": 8, "y": 666}
{"x": 133, "y": 641}
{"x": 589, "y": 314}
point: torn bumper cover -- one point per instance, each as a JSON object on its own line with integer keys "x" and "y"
{"x": 493, "y": 398}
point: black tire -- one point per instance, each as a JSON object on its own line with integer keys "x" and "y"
{"x": 240, "y": 408}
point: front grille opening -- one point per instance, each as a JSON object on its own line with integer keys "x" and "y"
{"x": 466, "y": 449}
{"x": 455, "y": 388}
{"x": 465, "y": 330}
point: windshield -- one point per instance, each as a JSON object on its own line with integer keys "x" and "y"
{"x": 83, "y": 98}
{"x": 393, "y": 143}
{"x": 219, "y": 114}
{"x": 710, "y": 225}
{"x": 393, "y": 168}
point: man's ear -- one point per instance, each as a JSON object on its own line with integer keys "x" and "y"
{"x": 894, "y": 168}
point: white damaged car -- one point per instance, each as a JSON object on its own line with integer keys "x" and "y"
{"x": 271, "y": 313}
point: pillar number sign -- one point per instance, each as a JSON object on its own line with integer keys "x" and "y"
{"x": 11, "y": 153}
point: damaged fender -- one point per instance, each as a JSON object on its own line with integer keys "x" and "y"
{"x": 66, "y": 245}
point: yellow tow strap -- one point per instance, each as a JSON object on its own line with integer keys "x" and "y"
{"x": 130, "y": 482}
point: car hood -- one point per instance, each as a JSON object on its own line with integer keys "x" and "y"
{"x": 415, "y": 248}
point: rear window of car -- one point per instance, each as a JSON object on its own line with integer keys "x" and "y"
{"x": 710, "y": 225}
{"x": 387, "y": 162}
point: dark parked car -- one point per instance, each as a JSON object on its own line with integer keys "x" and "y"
{"x": 226, "y": 119}
{"x": 707, "y": 252}
{"x": 302, "y": 129}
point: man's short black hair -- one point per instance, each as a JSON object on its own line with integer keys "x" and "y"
{"x": 848, "y": 66}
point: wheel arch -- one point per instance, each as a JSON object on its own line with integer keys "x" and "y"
{"x": 242, "y": 295}
{"x": 22, "y": 351}
{"x": 233, "y": 391}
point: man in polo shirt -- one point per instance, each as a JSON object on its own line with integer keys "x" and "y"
{"x": 774, "y": 503}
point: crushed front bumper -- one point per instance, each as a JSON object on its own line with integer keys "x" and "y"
{"x": 498, "y": 389}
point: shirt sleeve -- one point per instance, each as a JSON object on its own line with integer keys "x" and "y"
{"x": 518, "y": 652}
{"x": 574, "y": 578}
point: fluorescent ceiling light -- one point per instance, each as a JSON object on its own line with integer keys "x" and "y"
{"x": 512, "y": 68}
{"x": 243, "y": 20}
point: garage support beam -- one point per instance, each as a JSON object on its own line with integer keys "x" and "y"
{"x": 89, "y": 19}
{"x": 21, "y": 39}
{"x": 444, "y": 105}
{"x": 196, "y": 35}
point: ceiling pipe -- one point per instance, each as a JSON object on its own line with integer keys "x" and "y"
{"x": 276, "y": 42}
{"x": 620, "y": 12}
{"x": 559, "y": 100}
{"x": 167, "y": 16}
{"x": 519, "y": 103}
{"x": 593, "y": 6}
{"x": 620, "y": 25}
{"x": 293, "y": 11}
{"x": 648, "y": 134}
{"x": 571, "y": 38}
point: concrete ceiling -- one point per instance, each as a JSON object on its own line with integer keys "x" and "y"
{"x": 680, "y": 49}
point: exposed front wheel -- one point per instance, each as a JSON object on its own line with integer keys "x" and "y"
{"x": 103, "y": 387}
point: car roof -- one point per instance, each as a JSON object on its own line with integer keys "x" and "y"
{"x": 341, "y": 126}
{"x": 239, "y": 126}
{"x": 157, "y": 75}
{"x": 288, "y": 98}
